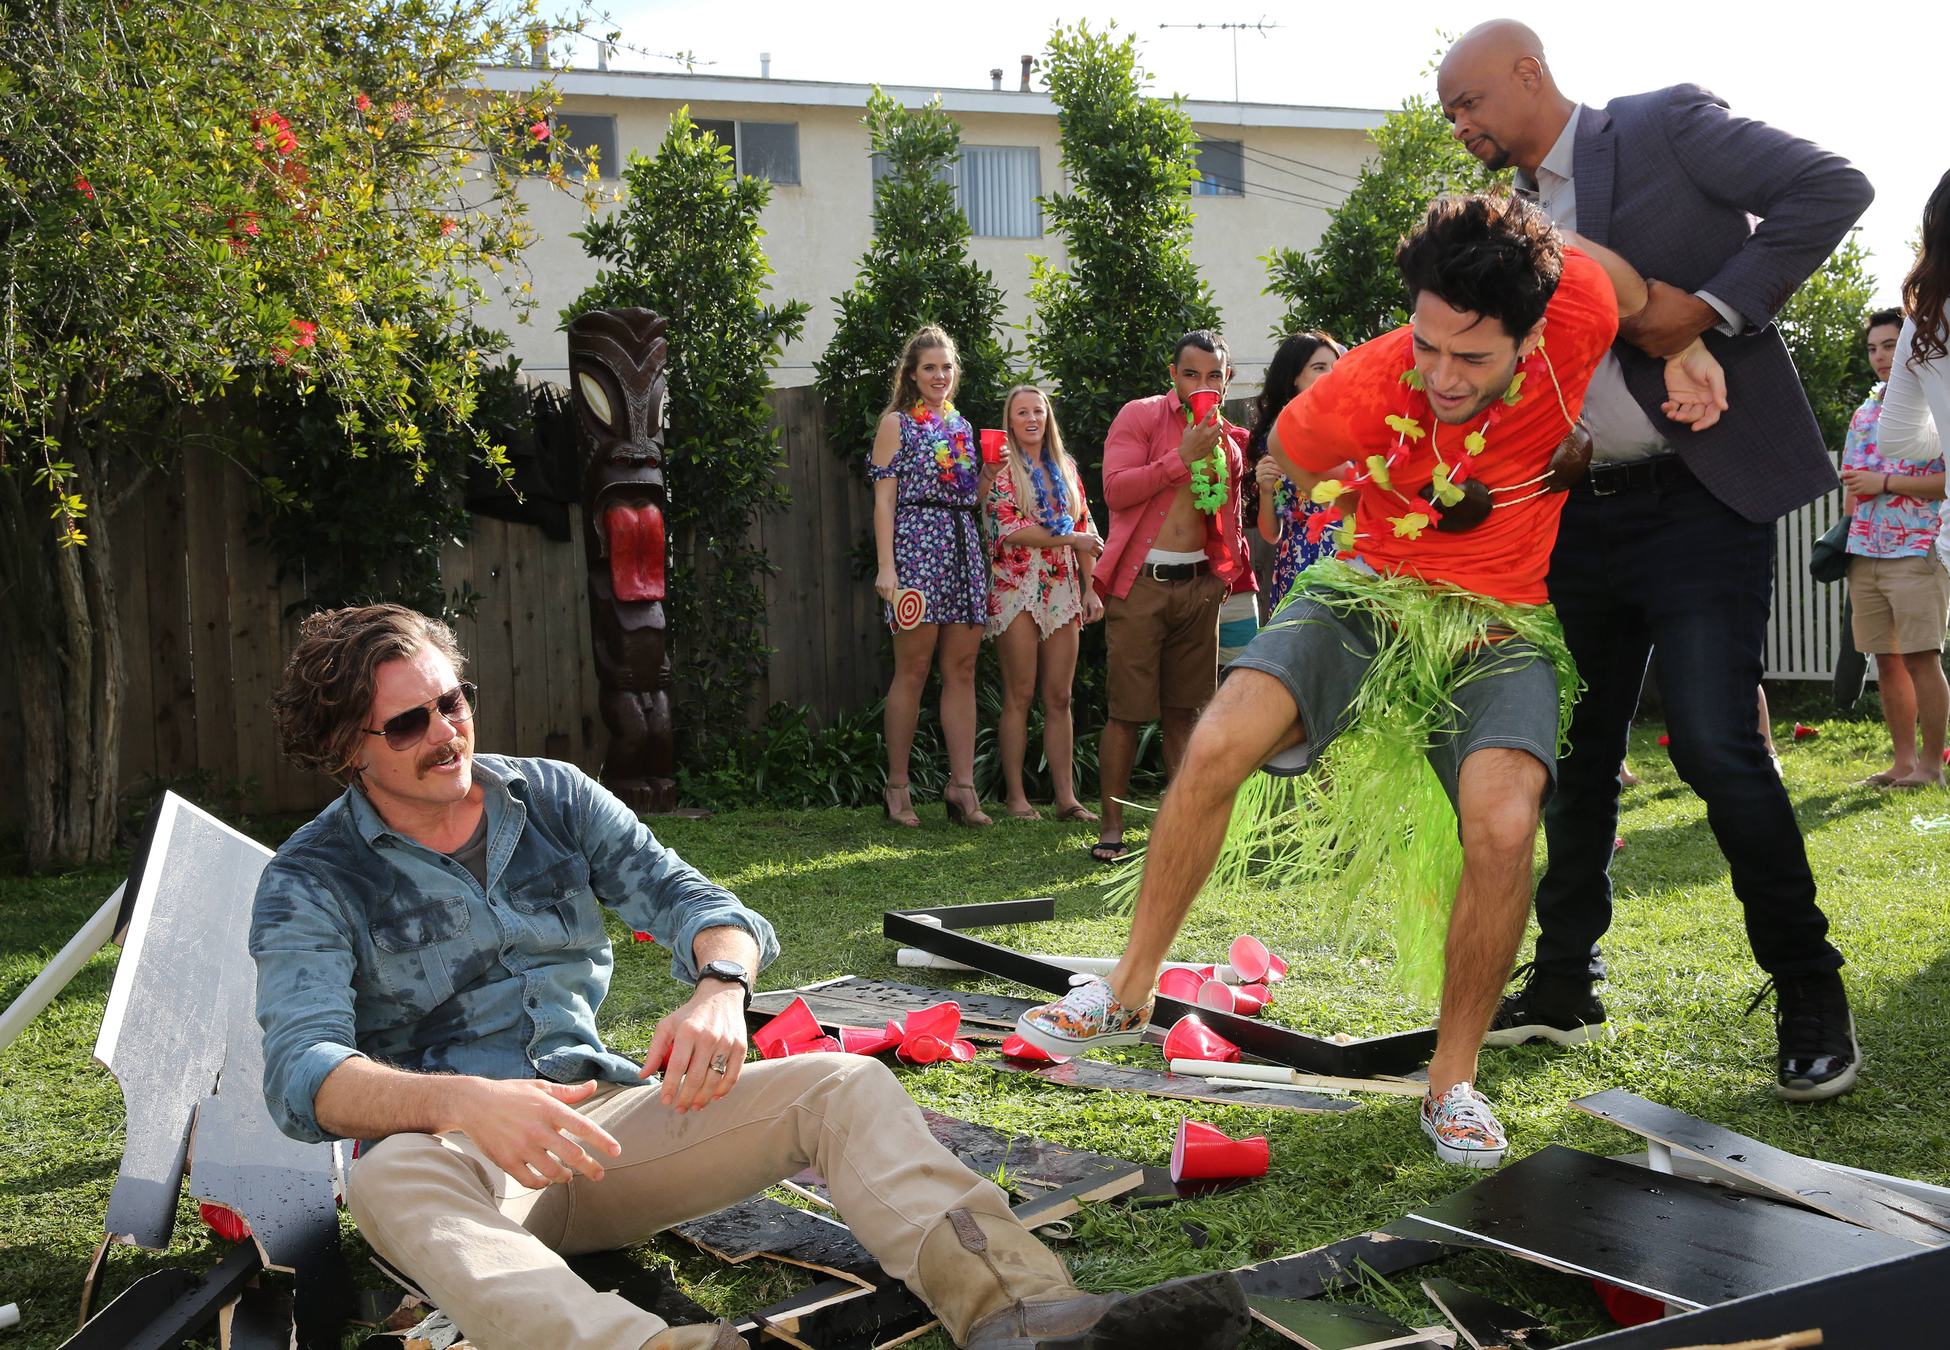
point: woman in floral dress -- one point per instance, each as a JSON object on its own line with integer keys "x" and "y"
{"x": 1040, "y": 596}
{"x": 927, "y": 487}
{"x": 1281, "y": 512}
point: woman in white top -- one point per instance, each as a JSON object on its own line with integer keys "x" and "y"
{"x": 1916, "y": 404}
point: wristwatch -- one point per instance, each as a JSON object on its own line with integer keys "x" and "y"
{"x": 731, "y": 973}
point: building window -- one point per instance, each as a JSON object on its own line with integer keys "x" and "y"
{"x": 1221, "y": 169}
{"x": 762, "y": 149}
{"x": 996, "y": 186}
{"x": 583, "y": 133}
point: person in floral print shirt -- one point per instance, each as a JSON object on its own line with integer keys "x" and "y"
{"x": 1044, "y": 546}
{"x": 1898, "y": 588}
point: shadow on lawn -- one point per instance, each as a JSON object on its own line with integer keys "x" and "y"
{"x": 65, "y": 1176}
{"x": 1689, "y": 855}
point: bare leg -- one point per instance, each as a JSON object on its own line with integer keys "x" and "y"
{"x": 1932, "y": 695}
{"x": 1056, "y": 662}
{"x": 1898, "y": 710}
{"x": 1500, "y": 793}
{"x": 1016, "y": 649}
{"x": 913, "y": 651}
{"x": 1178, "y": 732}
{"x": 1766, "y": 722}
{"x": 961, "y": 643}
{"x": 1251, "y": 719}
{"x": 1116, "y": 752}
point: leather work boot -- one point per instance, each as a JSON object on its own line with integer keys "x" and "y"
{"x": 995, "y": 1287}
{"x": 702, "y": 1336}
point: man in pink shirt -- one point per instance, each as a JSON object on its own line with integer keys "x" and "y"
{"x": 1174, "y": 553}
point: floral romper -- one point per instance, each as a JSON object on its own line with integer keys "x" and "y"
{"x": 1044, "y": 581}
{"x": 937, "y": 540}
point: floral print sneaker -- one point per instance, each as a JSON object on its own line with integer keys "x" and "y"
{"x": 1089, "y": 1015}
{"x": 1465, "y": 1130}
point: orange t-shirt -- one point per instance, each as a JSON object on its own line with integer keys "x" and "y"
{"x": 1344, "y": 415}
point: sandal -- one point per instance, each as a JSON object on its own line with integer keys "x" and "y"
{"x": 1108, "y": 851}
{"x": 1079, "y": 813}
{"x": 1031, "y": 814}
{"x": 970, "y": 816}
{"x": 887, "y": 805}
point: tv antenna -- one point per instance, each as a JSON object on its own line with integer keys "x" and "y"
{"x": 1261, "y": 27}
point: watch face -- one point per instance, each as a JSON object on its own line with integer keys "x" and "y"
{"x": 729, "y": 970}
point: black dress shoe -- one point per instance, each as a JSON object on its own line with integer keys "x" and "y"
{"x": 1818, "y": 1054}
{"x": 1548, "y": 1008}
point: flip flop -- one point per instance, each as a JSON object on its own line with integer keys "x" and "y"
{"x": 1082, "y": 815}
{"x": 1031, "y": 814}
{"x": 1108, "y": 851}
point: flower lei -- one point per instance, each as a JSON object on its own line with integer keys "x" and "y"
{"x": 1209, "y": 475}
{"x": 1446, "y": 477}
{"x": 1055, "y": 521}
{"x": 954, "y": 452}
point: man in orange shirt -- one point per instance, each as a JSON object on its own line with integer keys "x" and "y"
{"x": 1453, "y": 423}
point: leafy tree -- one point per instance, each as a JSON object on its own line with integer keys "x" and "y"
{"x": 916, "y": 271}
{"x": 686, "y": 245}
{"x": 1104, "y": 326}
{"x": 198, "y": 198}
{"x": 1822, "y": 325}
{"x": 1348, "y": 285}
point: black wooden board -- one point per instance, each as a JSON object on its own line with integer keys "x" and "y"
{"x": 1102, "y": 1077}
{"x": 992, "y": 914}
{"x": 165, "y": 1029}
{"x": 652, "y": 1290}
{"x": 858, "y": 1320}
{"x": 1484, "y": 1323}
{"x": 142, "y": 1319}
{"x": 1320, "y": 1325}
{"x": 1366, "y": 1058}
{"x": 872, "y": 1003}
{"x": 1663, "y": 1236}
{"x": 1789, "y": 1175}
{"x": 133, "y": 1310}
{"x": 1067, "y": 1200}
{"x": 762, "y": 1226}
{"x": 258, "y": 1319}
{"x": 1337, "y": 1265}
{"x": 1892, "y": 1305}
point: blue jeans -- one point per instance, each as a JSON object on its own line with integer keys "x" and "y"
{"x": 1671, "y": 567}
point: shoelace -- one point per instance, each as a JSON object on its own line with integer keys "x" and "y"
{"x": 1467, "y": 1108}
{"x": 1804, "y": 1027}
{"x": 1092, "y": 997}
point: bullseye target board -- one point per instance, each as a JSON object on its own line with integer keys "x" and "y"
{"x": 910, "y": 607}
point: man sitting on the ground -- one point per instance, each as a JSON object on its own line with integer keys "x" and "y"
{"x": 1467, "y": 394}
{"x": 431, "y": 956}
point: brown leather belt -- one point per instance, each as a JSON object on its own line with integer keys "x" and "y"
{"x": 1175, "y": 571}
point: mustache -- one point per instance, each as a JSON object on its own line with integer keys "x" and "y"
{"x": 439, "y": 757}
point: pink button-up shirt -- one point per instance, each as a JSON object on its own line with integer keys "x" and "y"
{"x": 1143, "y": 472}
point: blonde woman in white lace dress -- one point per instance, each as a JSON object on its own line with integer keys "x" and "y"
{"x": 1042, "y": 547}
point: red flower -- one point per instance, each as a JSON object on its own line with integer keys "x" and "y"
{"x": 365, "y": 104}
{"x": 1319, "y": 523}
{"x": 278, "y": 130}
{"x": 307, "y": 332}
{"x": 539, "y": 131}
{"x": 447, "y": 225}
{"x": 82, "y": 186}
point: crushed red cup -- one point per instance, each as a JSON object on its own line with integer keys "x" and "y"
{"x": 1628, "y": 1307}
{"x": 867, "y": 1041}
{"x": 1204, "y": 1152}
{"x": 1805, "y": 733}
{"x": 1617, "y": 843}
{"x": 641, "y": 936}
{"x": 1664, "y": 739}
{"x": 1015, "y": 1047}
{"x": 823, "y": 1045}
{"x": 795, "y": 1026}
{"x": 1190, "y": 1038}
{"x": 225, "y": 1222}
{"x": 926, "y": 1048}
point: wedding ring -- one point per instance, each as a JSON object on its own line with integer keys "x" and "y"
{"x": 719, "y": 1064}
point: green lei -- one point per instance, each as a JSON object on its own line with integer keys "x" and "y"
{"x": 1209, "y": 475}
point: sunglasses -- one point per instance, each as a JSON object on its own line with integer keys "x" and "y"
{"x": 408, "y": 729}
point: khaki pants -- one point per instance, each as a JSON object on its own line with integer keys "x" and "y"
{"x": 488, "y": 1251}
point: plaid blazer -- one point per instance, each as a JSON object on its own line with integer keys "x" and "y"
{"x": 1706, "y": 201}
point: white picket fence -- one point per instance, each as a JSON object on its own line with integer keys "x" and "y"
{"x": 1804, "y": 633}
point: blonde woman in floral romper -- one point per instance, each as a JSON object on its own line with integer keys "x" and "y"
{"x": 1042, "y": 548}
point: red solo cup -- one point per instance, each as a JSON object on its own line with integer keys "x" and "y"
{"x": 1664, "y": 739}
{"x": 1617, "y": 843}
{"x": 1190, "y": 1038}
{"x": 1276, "y": 970}
{"x": 929, "y": 1049}
{"x": 1207, "y": 973}
{"x": 867, "y": 1041}
{"x": 641, "y": 936}
{"x": 1203, "y": 1152}
{"x": 791, "y": 1027}
{"x": 1180, "y": 984}
{"x": 1202, "y": 403}
{"x": 1628, "y": 1307}
{"x": 1218, "y": 996}
{"x": 1804, "y": 733}
{"x": 992, "y": 443}
{"x": 962, "y": 1052}
{"x": 1015, "y": 1047}
{"x": 225, "y": 1222}
{"x": 1249, "y": 958}
{"x": 943, "y": 1020}
{"x": 1248, "y": 1004}
{"x": 823, "y": 1045}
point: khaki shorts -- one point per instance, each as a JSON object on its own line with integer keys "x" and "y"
{"x": 1899, "y": 603}
{"x": 1163, "y": 642}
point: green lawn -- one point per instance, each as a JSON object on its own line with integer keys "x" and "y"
{"x": 1682, "y": 977}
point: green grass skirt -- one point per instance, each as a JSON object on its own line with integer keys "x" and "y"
{"x": 1371, "y": 818}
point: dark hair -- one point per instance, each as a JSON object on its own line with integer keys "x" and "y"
{"x": 1883, "y": 318}
{"x": 1277, "y": 391}
{"x": 1926, "y": 290}
{"x": 1496, "y": 256}
{"x": 331, "y": 676}
{"x": 1206, "y": 341}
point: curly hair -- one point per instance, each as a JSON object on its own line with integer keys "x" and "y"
{"x": 1492, "y": 255}
{"x": 329, "y": 679}
{"x": 1926, "y": 290}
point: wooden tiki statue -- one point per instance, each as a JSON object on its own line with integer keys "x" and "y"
{"x": 616, "y": 379}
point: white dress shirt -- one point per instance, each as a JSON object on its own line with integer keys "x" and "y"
{"x": 1620, "y": 430}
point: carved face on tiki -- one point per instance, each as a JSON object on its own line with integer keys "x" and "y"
{"x": 616, "y": 380}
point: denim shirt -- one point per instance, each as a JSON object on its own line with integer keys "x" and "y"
{"x": 369, "y": 943}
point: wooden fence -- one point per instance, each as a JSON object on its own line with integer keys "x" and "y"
{"x": 206, "y": 631}
{"x": 1804, "y": 631}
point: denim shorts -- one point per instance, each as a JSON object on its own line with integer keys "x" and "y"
{"x": 1322, "y": 653}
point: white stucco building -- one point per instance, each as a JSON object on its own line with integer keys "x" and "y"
{"x": 1271, "y": 170}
